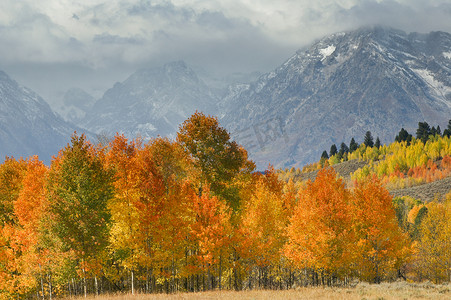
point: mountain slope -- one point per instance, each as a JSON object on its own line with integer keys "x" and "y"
{"x": 76, "y": 104}
{"x": 375, "y": 79}
{"x": 151, "y": 102}
{"x": 27, "y": 124}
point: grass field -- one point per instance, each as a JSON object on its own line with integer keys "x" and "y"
{"x": 398, "y": 290}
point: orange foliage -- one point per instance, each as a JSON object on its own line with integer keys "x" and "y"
{"x": 319, "y": 234}
{"x": 381, "y": 246}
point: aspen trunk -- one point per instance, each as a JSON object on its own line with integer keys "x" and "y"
{"x": 84, "y": 282}
{"x": 220, "y": 272}
{"x": 42, "y": 282}
{"x": 96, "y": 286}
{"x": 50, "y": 287}
{"x": 133, "y": 284}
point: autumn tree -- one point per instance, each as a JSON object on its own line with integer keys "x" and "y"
{"x": 79, "y": 190}
{"x": 263, "y": 225}
{"x": 381, "y": 245}
{"x": 12, "y": 172}
{"x": 164, "y": 206}
{"x": 212, "y": 232}
{"x": 319, "y": 234}
{"x": 218, "y": 158}
{"x": 434, "y": 246}
{"x": 121, "y": 159}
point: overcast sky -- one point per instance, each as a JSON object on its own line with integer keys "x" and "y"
{"x": 52, "y": 45}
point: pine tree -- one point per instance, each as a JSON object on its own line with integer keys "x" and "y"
{"x": 325, "y": 155}
{"x": 403, "y": 135}
{"x": 333, "y": 150}
{"x": 433, "y": 131}
{"x": 423, "y": 131}
{"x": 368, "y": 140}
{"x": 447, "y": 131}
{"x": 353, "y": 145}
{"x": 377, "y": 144}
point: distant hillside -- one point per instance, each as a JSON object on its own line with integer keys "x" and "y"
{"x": 416, "y": 169}
{"x": 27, "y": 124}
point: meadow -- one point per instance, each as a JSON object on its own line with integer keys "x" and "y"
{"x": 395, "y": 290}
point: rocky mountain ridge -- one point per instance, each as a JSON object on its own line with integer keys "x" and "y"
{"x": 376, "y": 79}
{"x": 28, "y": 126}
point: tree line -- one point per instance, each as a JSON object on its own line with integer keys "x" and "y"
{"x": 193, "y": 215}
{"x": 423, "y": 133}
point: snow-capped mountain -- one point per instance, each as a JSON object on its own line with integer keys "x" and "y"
{"x": 376, "y": 79}
{"x": 151, "y": 102}
{"x": 27, "y": 124}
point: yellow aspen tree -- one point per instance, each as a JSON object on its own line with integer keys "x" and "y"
{"x": 434, "y": 246}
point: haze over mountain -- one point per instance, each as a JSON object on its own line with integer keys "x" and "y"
{"x": 376, "y": 79}
{"x": 28, "y": 126}
{"x": 151, "y": 102}
{"x": 76, "y": 104}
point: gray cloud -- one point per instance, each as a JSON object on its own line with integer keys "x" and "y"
{"x": 106, "y": 38}
{"x": 113, "y": 38}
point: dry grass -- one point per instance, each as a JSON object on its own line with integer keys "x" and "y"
{"x": 343, "y": 169}
{"x": 398, "y": 290}
{"x": 426, "y": 192}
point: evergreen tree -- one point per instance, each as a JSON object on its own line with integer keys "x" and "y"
{"x": 433, "y": 131}
{"x": 447, "y": 131}
{"x": 353, "y": 145}
{"x": 333, "y": 150}
{"x": 324, "y": 155}
{"x": 423, "y": 131}
{"x": 368, "y": 140}
{"x": 377, "y": 144}
{"x": 403, "y": 135}
{"x": 344, "y": 150}
{"x": 439, "y": 131}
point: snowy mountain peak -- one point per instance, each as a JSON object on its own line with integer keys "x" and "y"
{"x": 378, "y": 79}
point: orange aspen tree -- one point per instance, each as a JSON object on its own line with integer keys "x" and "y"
{"x": 12, "y": 172}
{"x": 29, "y": 208}
{"x": 382, "y": 247}
{"x": 212, "y": 231}
{"x": 164, "y": 206}
{"x": 319, "y": 234}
